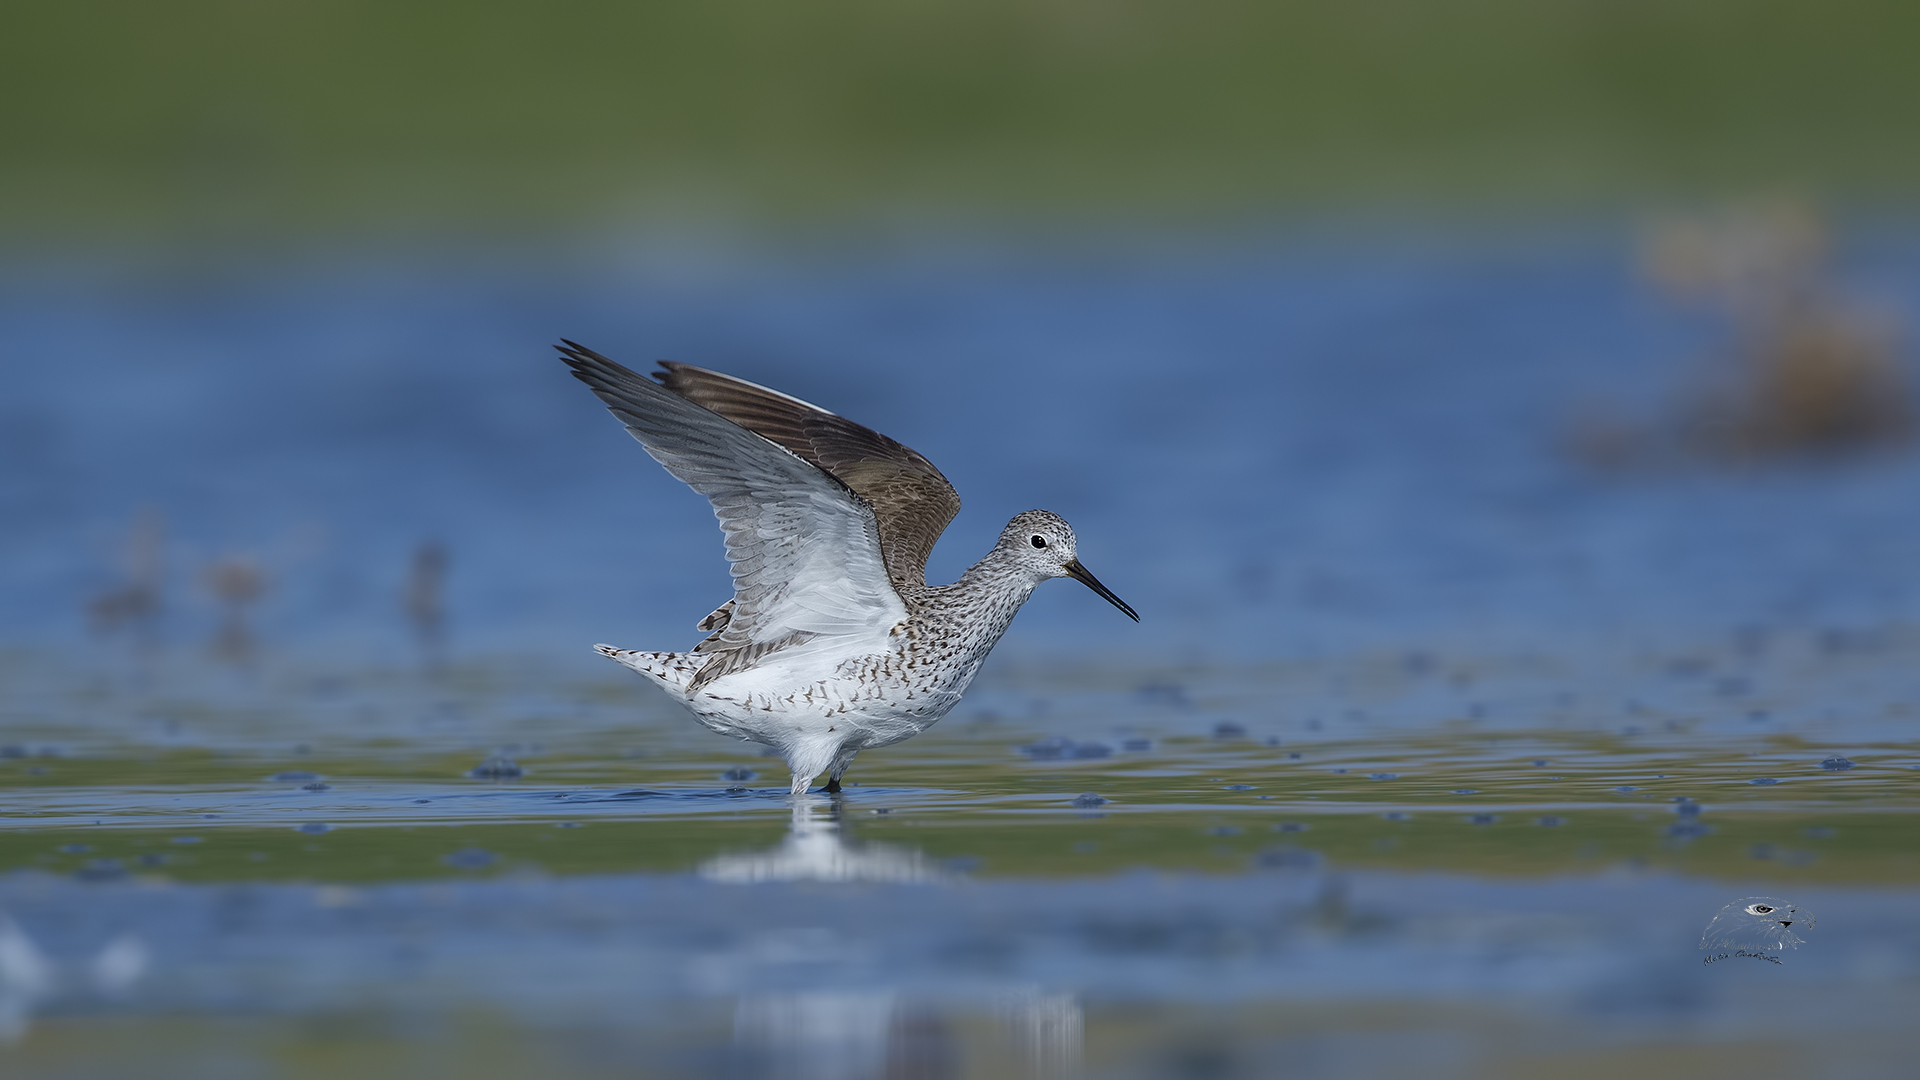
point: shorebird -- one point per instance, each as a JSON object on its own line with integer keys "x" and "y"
{"x": 833, "y": 642}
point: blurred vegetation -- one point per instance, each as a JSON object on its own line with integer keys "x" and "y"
{"x": 1807, "y": 369}
{"x": 1812, "y": 371}
{"x": 294, "y": 115}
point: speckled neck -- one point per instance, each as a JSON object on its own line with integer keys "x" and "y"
{"x": 972, "y": 613}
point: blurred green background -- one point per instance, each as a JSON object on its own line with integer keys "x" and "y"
{"x": 295, "y": 117}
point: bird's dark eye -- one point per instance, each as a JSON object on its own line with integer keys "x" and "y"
{"x": 1760, "y": 909}
{"x": 1039, "y": 541}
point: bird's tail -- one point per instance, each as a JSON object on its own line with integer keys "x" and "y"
{"x": 674, "y": 670}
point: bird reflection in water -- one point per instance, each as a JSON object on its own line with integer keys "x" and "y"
{"x": 824, "y": 1034}
{"x": 845, "y": 1034}
{"x": 877, "y": 1033}
{"x": 29, "y": 978}
{"x": 817, "y": 848}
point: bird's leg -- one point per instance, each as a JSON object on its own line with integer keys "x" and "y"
{"x": 838, "y": 769}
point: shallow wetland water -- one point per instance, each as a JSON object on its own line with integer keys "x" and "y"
{"x": 1420, "y": 862}
{"x": 1436, "y": 749}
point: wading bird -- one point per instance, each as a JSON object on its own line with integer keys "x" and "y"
{"x": 833, "y": 642}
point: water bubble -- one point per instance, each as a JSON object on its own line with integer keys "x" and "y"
{"x": 1228, "y": 729}
{"x": 739, "y": 772}
{"x": 1763, "y": 780}
{"x": 1137, "y": 746}
{"x": 1290, "y": 826}
{"x": 101, "y": 870}
{"x": 1466, "y": 791}
{"x": 1239, "y": 787}
{"x": 1055, "y": 748}
{"x": 497, "y": 767}
{"x": 1289, "y": 858}
{"x": 1540, "y": 763}
{"x": 1624, "y": 788}
{"x": 1550, "y": 821}
{"x": 1383, "y": 776}
{"x": 1162, "y": 693}
{"x": 1836, "y": 764}
{"x": 1088, "y": 799}
{"x": 317, "y": 785}
{"x": 314, "y": 828}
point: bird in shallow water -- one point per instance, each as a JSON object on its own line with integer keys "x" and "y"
{"x": 833, "y": 642}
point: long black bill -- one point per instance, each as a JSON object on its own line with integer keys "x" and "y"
{"x": 1079, "y": 574}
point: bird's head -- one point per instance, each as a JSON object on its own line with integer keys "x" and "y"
{"x": 1757, "y": 922}
{"x": 1041, "y": 542}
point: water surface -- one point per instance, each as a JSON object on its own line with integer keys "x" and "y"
{"x": 1436, "y": 750}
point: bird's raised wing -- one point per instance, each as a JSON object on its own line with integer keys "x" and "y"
{"x": 805, "y": 549}
{"x": 911, "y": 501}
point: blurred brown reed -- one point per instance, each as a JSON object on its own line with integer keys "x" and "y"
{"x": 138, "y": 603}
{"x": 422, "y": 599}
{"x": 1806, "y": 369}
{"x": 1809, "y": 370}
{"x": 236, "y": 583}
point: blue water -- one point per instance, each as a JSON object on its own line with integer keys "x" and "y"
{"x": 1268, "y": 448}
{"x": 1437, "y": 746}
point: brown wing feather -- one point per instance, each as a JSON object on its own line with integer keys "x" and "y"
{"x": 911, "y": 501}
